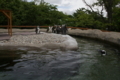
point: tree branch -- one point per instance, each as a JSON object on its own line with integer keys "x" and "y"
{"x": 88, "y": 5}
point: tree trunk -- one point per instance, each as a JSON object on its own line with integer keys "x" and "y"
{"x": 108, "y": 6}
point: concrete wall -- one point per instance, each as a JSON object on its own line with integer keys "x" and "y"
{"x": 113, "y": 37}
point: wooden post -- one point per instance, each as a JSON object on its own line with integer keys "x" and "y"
{"x": 8, "y": 14}
{"x": 11, "y": 23}
{"x": 8, "y": 27}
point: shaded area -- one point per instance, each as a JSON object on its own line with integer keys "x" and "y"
{"x": 6, "y": 59}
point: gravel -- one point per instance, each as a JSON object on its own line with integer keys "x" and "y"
{"x": 36, "y": 40}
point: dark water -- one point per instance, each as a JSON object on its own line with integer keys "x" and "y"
{"x": 25, "y": 63}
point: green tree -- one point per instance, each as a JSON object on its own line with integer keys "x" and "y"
{"x": 29, "y": 13}
{"x": 88, "y": 19}
{"x": 107, "y": 5}
{"x": 116, "y": 19}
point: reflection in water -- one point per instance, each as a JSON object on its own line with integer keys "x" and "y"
{"x": 26, "y": 63}
{"x": 6, "y": 59}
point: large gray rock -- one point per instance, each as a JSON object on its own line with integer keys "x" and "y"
{"x": 44, "y": 40}
{"x": 68, "y": 44}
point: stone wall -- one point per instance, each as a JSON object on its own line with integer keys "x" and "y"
{"x": 113, "y": 37}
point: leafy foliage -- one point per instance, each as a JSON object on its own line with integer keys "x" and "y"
{"x": 29, "y": 13}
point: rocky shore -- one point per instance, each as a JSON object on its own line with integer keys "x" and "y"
{"x": 42, "y": 40}
{"x": 53, "y": 41}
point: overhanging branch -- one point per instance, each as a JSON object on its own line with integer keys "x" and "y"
{"x": 88, "y": 5}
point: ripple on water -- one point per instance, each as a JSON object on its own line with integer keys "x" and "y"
{"x": 25, "y": 63}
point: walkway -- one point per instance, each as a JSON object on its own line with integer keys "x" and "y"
{"x": 5, "y": 36}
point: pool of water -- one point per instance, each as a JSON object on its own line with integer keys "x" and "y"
{"x": 27, "y": 63}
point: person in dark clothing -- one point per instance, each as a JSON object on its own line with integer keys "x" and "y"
{"x": 64, "y": 29}
{"x": 54, "y": 29}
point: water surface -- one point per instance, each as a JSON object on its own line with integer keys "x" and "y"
{"x": 27, "y": 63}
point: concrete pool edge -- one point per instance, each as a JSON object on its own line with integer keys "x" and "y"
{"x": 96, "y": 34}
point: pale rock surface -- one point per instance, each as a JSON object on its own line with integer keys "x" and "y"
{"x": 113, "y": 37}
{"x": 44, "y": 40}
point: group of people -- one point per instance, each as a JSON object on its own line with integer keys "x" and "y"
{"x": 59, "y": 29}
